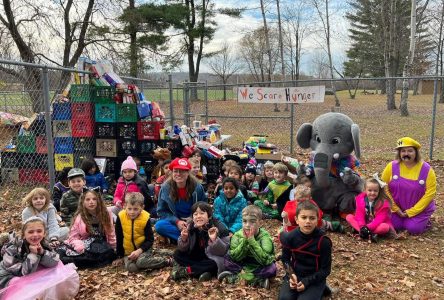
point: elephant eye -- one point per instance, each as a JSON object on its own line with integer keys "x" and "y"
{"x": 317, "y": 138}
{"x": 335, "y": 140}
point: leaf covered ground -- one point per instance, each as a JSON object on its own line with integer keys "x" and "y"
{"x": 403, "y": 269}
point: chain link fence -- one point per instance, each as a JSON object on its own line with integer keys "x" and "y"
{"x": 47, "y": 125}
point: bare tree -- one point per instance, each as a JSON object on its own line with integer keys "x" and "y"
{"x": 403, "y": 106}
{"x": 324, "y": 15}
{"x": 224, "y": 64}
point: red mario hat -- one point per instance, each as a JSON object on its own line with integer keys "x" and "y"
{"x": 180, "y": 163}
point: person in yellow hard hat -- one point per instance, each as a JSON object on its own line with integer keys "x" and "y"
{"x": 412, "y": 187}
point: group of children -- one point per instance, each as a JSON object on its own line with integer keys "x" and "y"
{"x": 224, "y": 239}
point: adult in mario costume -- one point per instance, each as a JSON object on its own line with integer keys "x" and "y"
{"x": 412, "y": 187}
{"x": 177, "y": 194}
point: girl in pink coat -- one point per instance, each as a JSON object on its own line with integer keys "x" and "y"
{"x": 91, "y": 221}
{"x": 372, "y": 217}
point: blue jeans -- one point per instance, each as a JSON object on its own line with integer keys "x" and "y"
{"x": 167, "y": 229}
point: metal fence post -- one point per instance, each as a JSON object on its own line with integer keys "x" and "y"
{"x": 432, "y": 133}
{"x": 48, "y": 127}
{"x": 206, "y": 101}
{"x": 170, "y": 86}
{"x": 291, "y": 127}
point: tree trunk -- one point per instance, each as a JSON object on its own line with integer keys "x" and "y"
{"x": 415, "y": 86}
{"x": 390, "y": 88}
{"x": 225, "y": 92}
{"x": 134, "y": 60}
{"x": 330, "y": 61}
{"x": 403, "y": 106}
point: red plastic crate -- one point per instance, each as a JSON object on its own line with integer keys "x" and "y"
{"x": 83, "y": 128}
{"x": 82, "y": 111}
{"x": 149, "y": 130}
{"x": 41, "y": 145}
{"x": 33, "y": 176}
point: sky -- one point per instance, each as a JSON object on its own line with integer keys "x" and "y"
{"x": 232, "y": 29}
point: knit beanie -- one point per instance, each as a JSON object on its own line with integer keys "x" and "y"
{"x": 129, "y": 164}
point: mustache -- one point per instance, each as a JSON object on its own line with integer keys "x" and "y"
{"x": 406, "y": 157}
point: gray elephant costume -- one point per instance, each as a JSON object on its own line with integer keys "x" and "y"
{"x": 333, "y": 137}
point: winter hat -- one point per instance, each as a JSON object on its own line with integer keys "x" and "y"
{"x": 407, "y": 142}
{"x": 129, "y": 164}
{"x": 180, "y": 163}
{"x": 250, "y": 169}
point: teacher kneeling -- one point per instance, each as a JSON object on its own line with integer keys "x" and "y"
{"x": 412, "y": 186}
{"x": 176, "y": 196}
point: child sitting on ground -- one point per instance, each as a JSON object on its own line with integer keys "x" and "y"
{"x": 228, "y": 206}
{"x": 135, "y": 237}
{"x": 201, "y": 246}
{"x": 372, "y": 217}
{"x": 70, "y": 199}
{"x": 251, "y": 254}
{"x": 23, "y": 256}
{"x": 278, "y": 193}
{"x": 203, "y": 170}
{"x": 195, "y": 169}
{"x": 267, "y": 176}
{"x": 94, "y": 178}
{"x": 249, "y": 181}
{"x": 38, "y": 203}
{"x": 131, "y": 182}
{"x": 60, "y": 188}
{"x": 92, "y": 223}
{"x": 306, "y": 255}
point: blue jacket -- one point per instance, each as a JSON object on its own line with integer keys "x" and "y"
{"x": 95, "y": 180}
{"x": 166, "y": 209}
{"x": 230, "y": 212}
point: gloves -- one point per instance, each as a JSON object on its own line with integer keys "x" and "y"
{"x": 364, "y": 232}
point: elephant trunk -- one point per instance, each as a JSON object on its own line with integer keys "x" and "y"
{"x": 322, "y": 164}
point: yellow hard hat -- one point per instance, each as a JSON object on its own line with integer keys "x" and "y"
{"x": 407, "y": 142}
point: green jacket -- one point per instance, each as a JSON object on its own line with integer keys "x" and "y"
{"x": 68, "y": 205}
{"x": 260, "y": 248}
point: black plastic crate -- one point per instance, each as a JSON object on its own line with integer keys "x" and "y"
{"x": 145, "y": 148}
{"x": 127, "y": 131}
{"x": 148, "y": 163}
{"x": 80, "y": 156}
{"x": 10, "y": 159}
{"x": 126, "y": 147}
{"x": 106, "y": 130}
{"x": 86, "y": 145}
{"x": 112, "y": 166}
{"x": 175, "y": 146}
{"x": 213, "y": 167}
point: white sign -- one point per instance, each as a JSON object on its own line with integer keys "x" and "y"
{"x": 302, "y": 94}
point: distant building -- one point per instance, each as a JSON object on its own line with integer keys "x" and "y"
{"x": 425, "y": 86}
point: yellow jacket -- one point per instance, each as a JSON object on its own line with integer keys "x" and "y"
{"x": 134, "y": 231}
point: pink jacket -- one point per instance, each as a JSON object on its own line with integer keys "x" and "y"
{"x": 382, "y": 213}
{"x": 78, "y": 234}
{"x": 124, "y": 187}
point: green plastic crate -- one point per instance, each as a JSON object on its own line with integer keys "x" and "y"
{"x": 80, "y": 93}
{"x": 103, "y": 94}
{"x": 26, "y": 144}
{"x": 126, "y": 112}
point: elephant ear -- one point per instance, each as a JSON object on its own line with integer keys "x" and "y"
{"x": 355, "y": 137}
{"x": 303, "y": 135}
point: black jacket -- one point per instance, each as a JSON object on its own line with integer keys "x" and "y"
{"x": 308, "y": 255}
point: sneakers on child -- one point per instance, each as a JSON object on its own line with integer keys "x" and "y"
{"x": 228, "y": 277}
{"x": 179, "y": 272}
{"x": 205, "y": 276}
{"x": 260, "y": 282}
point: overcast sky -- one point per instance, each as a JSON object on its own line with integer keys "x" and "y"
{"x": 232, "y": 29}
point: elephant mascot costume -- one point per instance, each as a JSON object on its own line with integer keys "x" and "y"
{"x": 333, "y": 137}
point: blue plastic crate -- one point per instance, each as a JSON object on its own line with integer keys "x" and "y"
{"x": 63, "y": 145}
{"x": 61, "y": 111}
{"x": 105, "y": 112}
